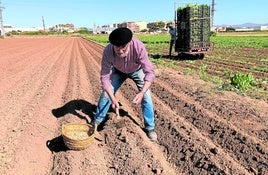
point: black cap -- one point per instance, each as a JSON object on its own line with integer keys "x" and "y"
{"x": 120, "y": 36}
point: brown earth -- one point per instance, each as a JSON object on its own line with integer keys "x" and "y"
{"x": 47, "y": 82}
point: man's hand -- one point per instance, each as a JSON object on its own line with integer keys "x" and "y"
{"x": 115, "y": 104}
{"x": 138, "y": 98}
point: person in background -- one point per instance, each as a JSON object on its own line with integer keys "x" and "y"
{"x": 126, "y": 57}
{"x": 172, "y": 32}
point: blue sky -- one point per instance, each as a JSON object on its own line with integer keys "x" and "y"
{"x": 86, "y": 13}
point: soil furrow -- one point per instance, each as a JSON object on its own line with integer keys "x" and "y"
{"x": 51, "y": 81}
{"x": 226, "y": 109}
{"x": 31, "y": 94}
{"x": 219, "y": 131}
{"x": 199, "y": 157}
{"x": 78, "y": 109}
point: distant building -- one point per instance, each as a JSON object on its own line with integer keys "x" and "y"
{"x": 62, "y": 28}
{"x": 131, "y": 25}
{"x": 9, "y": 28}
{"x": 135, "y": 27}
{"x": 220, "y": 29}
{"x": 243, "y": 29}
{"x": 264, "y": 27}
{"x": 105, "y": 29}
{"x": 142, "y": 25}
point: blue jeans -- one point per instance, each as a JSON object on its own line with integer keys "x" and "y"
{"x": 117, "y": 79}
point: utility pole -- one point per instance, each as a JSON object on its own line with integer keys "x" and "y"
{"x": 212, "y": 13}
{"x": 43, "y": 20}
{"x": 1, "y": 20}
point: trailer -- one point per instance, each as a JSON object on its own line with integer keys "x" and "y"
{"x": 192, "y": 30}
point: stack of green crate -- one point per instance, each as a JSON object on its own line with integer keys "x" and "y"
{"x": 193, "y": 26}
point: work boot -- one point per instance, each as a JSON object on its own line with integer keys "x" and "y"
{"x": 152, "y": 135}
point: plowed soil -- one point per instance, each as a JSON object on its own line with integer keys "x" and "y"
{"x": 50, "y": 81}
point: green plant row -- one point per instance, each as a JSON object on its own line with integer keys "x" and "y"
{"x": 242, "y": 81}
{"x": 240, "y": 41}
{"x": 219, "y": 41}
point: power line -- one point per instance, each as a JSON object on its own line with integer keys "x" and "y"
{"x": 212, "y": 13}
{"x": 43, "y": 21}
{"x": 1, "y": 20}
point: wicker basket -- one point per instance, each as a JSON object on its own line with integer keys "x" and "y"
{"x": 77, "y": 136}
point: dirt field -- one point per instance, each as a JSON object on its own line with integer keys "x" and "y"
{"x": 48, "y": 82}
